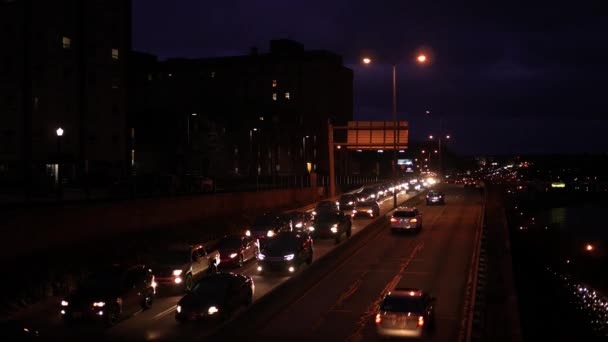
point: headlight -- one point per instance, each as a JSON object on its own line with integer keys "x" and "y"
{"x": 299, "y": 225}
{"x": 261, "y": 256}
{"x": 311, "y": 229}
{"x": 178, "y": 280}
{"x": 270, "y": 233}
{"x": 369, "y": 211}
{"x": 177, "y": 273}
{"x": 354, "y": 211}
{"x": 350, "y": 203}
{"x": 64, "y": 303}
{"x": 99, "y": 304}
{"x": 314, "y": 212}
{"x": 248, "y": 232}
{"x": 334, "y": 229}
{"x": 289, "y": 257}
{"x": 373, "y": 196}
{"x": 233, "y": 255}
{"x": 178, "y": 309}
{"x": 212, "y": 310}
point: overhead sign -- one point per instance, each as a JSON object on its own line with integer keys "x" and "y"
{"x": 377, "y": 135}
{"x": 405, "y": 162}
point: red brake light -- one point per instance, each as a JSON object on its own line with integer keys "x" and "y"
{"x": 413, "y": 220}
{"x": 379, "y": 318}
{"x": 393, "y": 219}
{"x": 420, "y": 321}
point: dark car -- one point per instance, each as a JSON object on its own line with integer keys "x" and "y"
{"x": 367, "y": 195}
{"x": 267, "y": 225}
{"x": 236, "y": 250}
{"x": 331, "y": 225}
{"x": 324, "y": 207}
{"x": 348, "y": 202}
{"x": 366, "y": 209}
{"x": 405, "y": 312}
{"x": 111, "y": 294}
{"x": 286, "y": 252}
{"x": 435, "y": 197}
{"x": 216, "y": 297}
{"x": 300, "y": 220}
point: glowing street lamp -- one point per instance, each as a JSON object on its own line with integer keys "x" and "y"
{"x": 421, "y": 58}
{"x": 589, "y": 247}
{"x": 367, "y": 60}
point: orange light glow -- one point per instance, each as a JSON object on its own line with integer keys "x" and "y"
{"x": 378, "y": 318}
{"x": 393, "y": 219}
{"x": 421, "y": 58}
{"x": 413, "y": 220}
{"x": 589, "y": 247}
{"x": 420, "y": 321}
{"x": 412, "y": 293}
{"x": 367, "y": 60}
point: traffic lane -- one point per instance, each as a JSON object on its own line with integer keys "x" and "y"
{"x": 159, "y": 323}
{"x": 343, "y": 304}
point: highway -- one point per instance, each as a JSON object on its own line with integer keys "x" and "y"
{"x": 341, "y": 306}
{"x": 158, "y": 323}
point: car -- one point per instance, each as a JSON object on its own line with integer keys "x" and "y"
{"x": 215, "y": 298}
{"x": 435, "y": 197}
{"x": 325, "y": 207}
{"x": 366, "y": 195}
{"x": 267, "y": 225}
{"x": 178, "y": 266}
{"x": 235, "y": 250}
{"x": 286, "y": 252}
{"x": 110, "y": 294}
{"x": 406, "y": 219}
{"x": 366, "y": 209}
{"x": 300, "y": 220}
{"x": 469, "y": 182}
{"x": 348, "y": 202}
{"x": 331, "y": 225}
{"x": 405, "y": 312}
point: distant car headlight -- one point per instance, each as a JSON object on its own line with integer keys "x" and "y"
{"x": 350, "y": 203}
{"x": 289, "y": 257}
{"x": 248, "y": 232}
{"x": 369, "y": 211}
{"x": 299, "y": 225}
{"x": 99, "y": 304}
{"x": 64, "y": 303}
{"x": 178, "y": 280}
{"x": 373, "y": 196}
{"x": 334, "y": 229}
{"x": 314, "y": 212}
{"x": 311, "y": 229}
{"x": 270, "y": 233}
{"x": 178, "y": 309}
{"x": 213, "y": 310}
{"x": 233, "y": 255}
{"x": 177, "y": 273}
{"x": 261, "y": 256}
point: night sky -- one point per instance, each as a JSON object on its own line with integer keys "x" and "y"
{"x": 505, "y": 78}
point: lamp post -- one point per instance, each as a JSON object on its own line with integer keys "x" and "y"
{"x": 420, "y": 59}
{"x": 59, "y": 132}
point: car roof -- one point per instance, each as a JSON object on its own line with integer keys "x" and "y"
{"x": 406, "y": 291}
{"x": 406, "y": 209}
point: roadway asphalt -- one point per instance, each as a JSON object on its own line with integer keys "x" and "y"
{"x": 341, "y": 306}
{"x": 158, "y": 323}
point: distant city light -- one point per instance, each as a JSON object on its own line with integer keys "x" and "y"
{"x": 367, "y": 60}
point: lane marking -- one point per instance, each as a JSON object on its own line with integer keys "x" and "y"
{"x": 371, "y": 310}
{"x": 165, "y": 312}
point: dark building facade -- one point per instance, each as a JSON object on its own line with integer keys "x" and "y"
{"x": 64, "y": 66}
{"x": 256, "y": 114}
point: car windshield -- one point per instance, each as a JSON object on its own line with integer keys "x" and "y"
{"x": 404, "y": 214}
{"x": 230, "y": 243}
{"x": 402, "y": 304}
{"x": 348, "y": 198}
{"x": 366, "y": 204}
{"x": 215, "y": 287}
{"x": 173, "y": 257}
{"x": 266, "y": 220}
{"x": 282, "y": 243}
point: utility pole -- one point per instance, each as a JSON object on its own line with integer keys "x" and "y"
{"x": 332, "y": 170}
{"x": 394, "y": 131}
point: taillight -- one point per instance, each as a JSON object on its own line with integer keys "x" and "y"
{"x": 420, "y": 321}
{"x": 414, "y": 220}
{"x": 378, "y": 318}
{"x": 393, "y": 219}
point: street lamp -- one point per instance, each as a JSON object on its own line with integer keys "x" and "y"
{"x": 59, "y": 132}
{"x": 420, "y": 59}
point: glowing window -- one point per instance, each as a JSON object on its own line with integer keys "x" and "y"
{"x": 274, "y": 83}
{"x": 287, "y": 96}
{"x": 66, "y": 42}
{"x": 114, "y": 53}
{"x": 274, "y": 96}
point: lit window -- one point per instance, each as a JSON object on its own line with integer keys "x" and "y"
{"x": 66, "y": 42}
{"x": 261, "y": 118}
{"x": 274, "y": 83}
{"x": 274, "y": 96}
{"x": 287, "y": 96}
{"x": 114, "y": 53}
{"x": 170, "y": 75}
{"x": 213, "y": 74}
